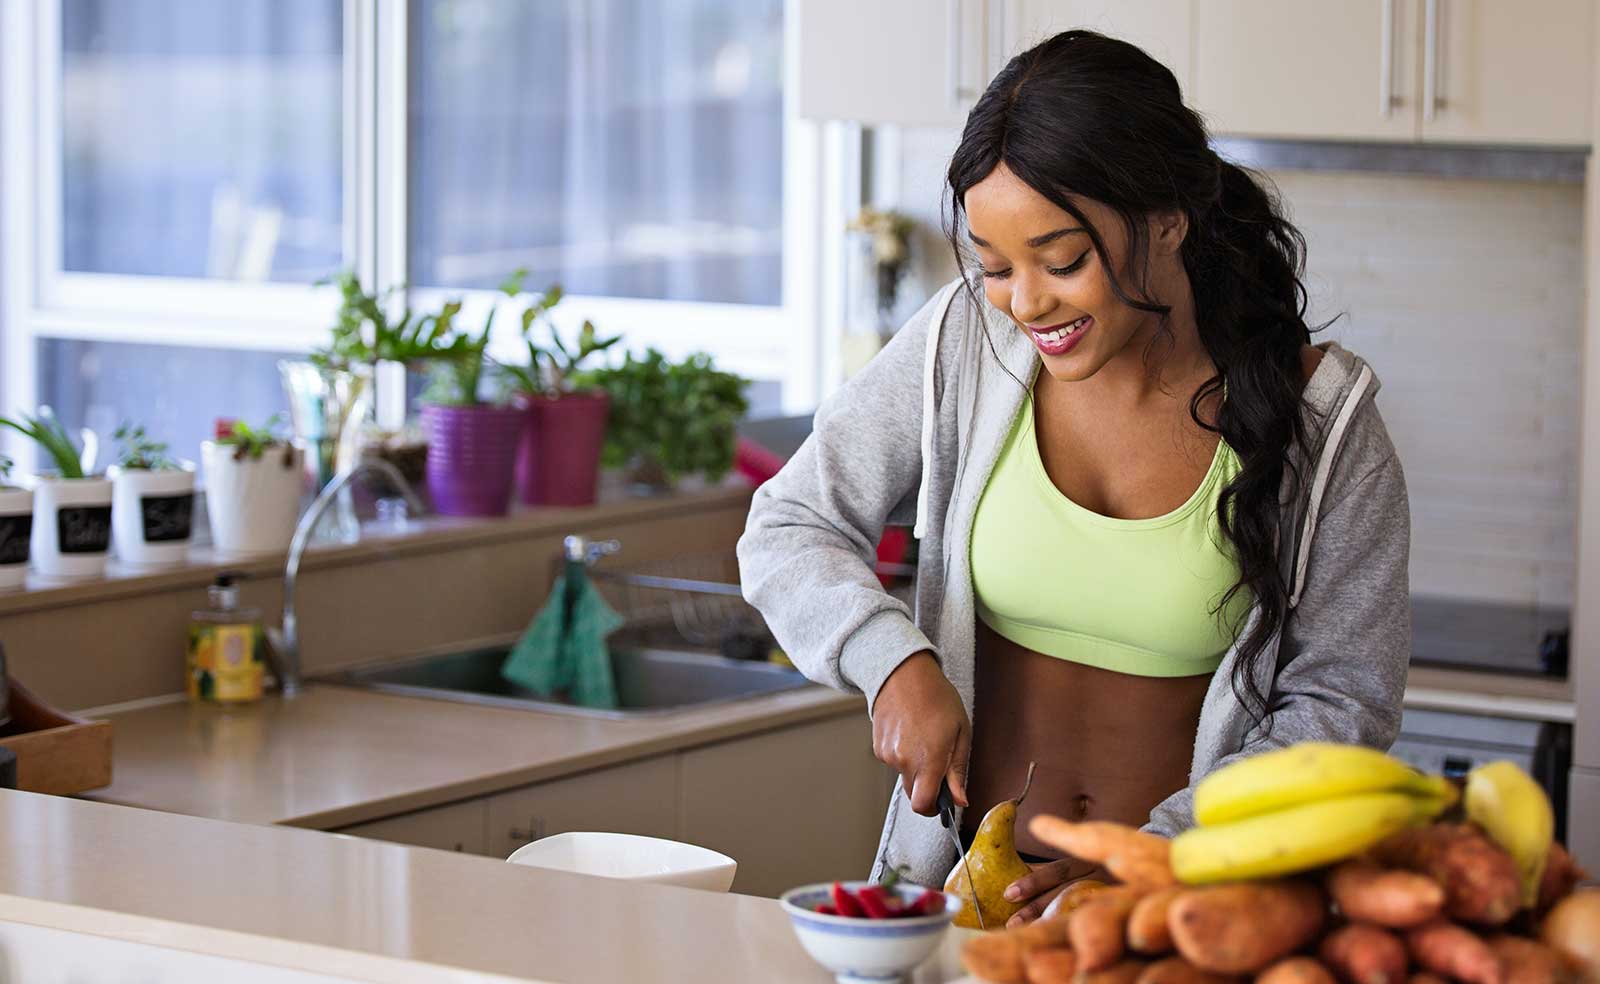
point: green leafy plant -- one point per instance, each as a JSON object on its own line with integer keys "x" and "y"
{"x": 139, "y": 452}
{"x": 556, "y": 368}
{"x": 676, "y": 416}
{"x": 6, "y": 464}
{"x": 411, "y": 339}
{"x": 46, "y": 431}
{"x": 252, "y": 442}
{"x": 459, "y": 356}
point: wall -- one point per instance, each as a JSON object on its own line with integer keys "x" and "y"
{"x": 1467, "y": 297}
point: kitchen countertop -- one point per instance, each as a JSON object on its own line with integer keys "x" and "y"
{"x": 370, "y": 911}
{"x": 336, "y": 756}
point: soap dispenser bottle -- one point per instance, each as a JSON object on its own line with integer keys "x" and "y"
{"x": 227, "y": 648}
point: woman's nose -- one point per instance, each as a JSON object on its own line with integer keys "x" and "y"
{"x": 1029, "y": 304}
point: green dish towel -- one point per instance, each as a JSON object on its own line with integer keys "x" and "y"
{"x": 564, "y": 649}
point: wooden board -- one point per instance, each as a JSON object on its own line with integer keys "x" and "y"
{"x": 57, "y": 753}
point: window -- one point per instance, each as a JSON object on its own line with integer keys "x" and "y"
{"x": 178, "y": 174}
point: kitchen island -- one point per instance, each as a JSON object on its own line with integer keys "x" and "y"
{"x": 183, "y": 899}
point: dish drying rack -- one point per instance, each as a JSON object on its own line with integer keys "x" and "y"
{"x": 688, "y": 598}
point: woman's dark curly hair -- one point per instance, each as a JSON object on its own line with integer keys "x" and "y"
{"x": 1082, "y": 114}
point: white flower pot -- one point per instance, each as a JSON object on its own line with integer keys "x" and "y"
{"x": 152, "y": 514}
{"x": 253, "y": 503}
{"x": 71, "y": 526}
{"x": 16, "y": 526}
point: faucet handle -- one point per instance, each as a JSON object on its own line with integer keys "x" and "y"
{"x": 581, "y": 550}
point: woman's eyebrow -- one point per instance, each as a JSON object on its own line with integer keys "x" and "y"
{"x": 1035, "y": 242}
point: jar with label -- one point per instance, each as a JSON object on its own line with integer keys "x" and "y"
{"x": 227, "y": 648}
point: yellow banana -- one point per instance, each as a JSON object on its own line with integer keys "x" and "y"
{"x": 1296, "y": 839}
{"x": 1306, "y": 773}
{"x": 1516, "y": 813}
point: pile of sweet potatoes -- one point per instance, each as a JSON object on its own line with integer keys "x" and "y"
{"x": 1430, "y": 905}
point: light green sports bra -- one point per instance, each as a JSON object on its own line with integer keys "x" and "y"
{"x": 1132, "y": 595}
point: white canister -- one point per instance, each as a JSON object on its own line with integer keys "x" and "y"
{"x": 71, "y": 526}
{"x": 152, "y": 514}
{"x": 253, "y": 503}
{"x": 16, "y": 528}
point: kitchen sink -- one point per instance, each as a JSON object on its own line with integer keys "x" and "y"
{"x": 649, "y": 681}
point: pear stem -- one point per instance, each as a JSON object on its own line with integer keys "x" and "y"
{"x": 1026, "y": 784}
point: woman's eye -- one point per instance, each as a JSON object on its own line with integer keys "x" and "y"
{"x": 996, "y": 274}
{"x": 1069, "y": 268}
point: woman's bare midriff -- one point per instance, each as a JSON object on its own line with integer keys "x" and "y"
{"x": 1108, "y": 746}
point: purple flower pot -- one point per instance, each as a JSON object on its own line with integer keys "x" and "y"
{"x": 559, "y": 461}
{"x": 471, "y": 452}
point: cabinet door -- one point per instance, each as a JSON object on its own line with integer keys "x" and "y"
{"x": 638, "y": 798}
{"x": 1308, "y": 68}
{"x": 891, "y": 61}
{"x": 794, "y": 806}
{"x": 1160, "y": 27}
{"x": 456, "y": 827}
{"x": 1510, "y": 72}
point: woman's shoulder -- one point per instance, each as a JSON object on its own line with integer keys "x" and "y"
{"x": 1310, "y": 359}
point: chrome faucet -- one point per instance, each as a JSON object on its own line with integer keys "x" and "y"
{"x": 286, "y": 641}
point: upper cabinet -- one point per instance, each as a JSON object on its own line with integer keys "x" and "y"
{"x": 1451, "y": 71}
{"x": 1457, "y": 71}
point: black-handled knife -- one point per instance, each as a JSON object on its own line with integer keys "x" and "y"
{"x": 947, "y": 819}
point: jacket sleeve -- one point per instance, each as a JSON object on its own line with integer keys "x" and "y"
{"x": 1346, "y": 648}
{"x": 806, "y": 559}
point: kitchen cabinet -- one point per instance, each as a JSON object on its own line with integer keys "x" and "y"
{"x": 454, "y": 827}
{"x": 1161, "y": 27}
{"x": 1460, "y": 71}
{"x": 637, "y": 798}
{"x": 795, "y": 806}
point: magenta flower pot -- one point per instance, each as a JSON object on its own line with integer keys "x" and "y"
{"x": 471, "y": 453}
{"x": 559, "y": 461}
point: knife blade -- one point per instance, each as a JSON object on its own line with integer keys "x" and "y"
{"x": 947, "y": 819}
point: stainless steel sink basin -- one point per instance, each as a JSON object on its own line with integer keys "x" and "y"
{"x": 649, "y": 681}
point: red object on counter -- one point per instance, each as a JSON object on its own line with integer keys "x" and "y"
{"x": 846, "y": 903}
{"x": 755, "y": 462}
{"x": 222, "y": 429}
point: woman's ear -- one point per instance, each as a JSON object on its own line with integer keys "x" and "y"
{"x": 1167, "y": 231}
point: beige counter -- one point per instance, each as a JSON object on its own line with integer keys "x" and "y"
{"x": 370, "y": 911}
{"x": 336, "y": 756}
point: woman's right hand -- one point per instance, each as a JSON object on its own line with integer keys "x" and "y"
{"x": 920, "y": 730}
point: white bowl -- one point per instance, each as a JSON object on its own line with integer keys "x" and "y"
{"x": 631, "y": 857}
{"x": 861, "y": 950}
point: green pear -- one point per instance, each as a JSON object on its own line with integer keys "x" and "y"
{"x": 992, "y": 862}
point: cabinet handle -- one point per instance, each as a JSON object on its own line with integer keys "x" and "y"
{"x": 1387, "y": 100}
{"x": 959, "y": 93}
{"x": 1432, "y": 98}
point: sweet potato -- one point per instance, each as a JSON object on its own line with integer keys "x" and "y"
{"x": 1125, "y": 972}
{"x": 1479, "y": 879}
{"x": 1147, "y": 923}
{"x": 995, "y": 958}
{"x": 1525, "y": 961}
{"x": 1142, "y": 871}
{"x": 1176, "y": 970}
{"x": 1053, "y": 965}
{"x": 1423, "y": 977}
{"x": 1099, "y": 840}
{"x": 1572, "y": 929}
{"x": 1296, "y": 970}
{"x": 1097, "y": 929}
{"x": 1451, "y": 951}
{"x": 1367, "y": 893}
{"x": 1243, "y": 928}
{"x": 1072, "y": 896}
{"x": 1561, "y": 875}
{"x": 1362, "y": 954}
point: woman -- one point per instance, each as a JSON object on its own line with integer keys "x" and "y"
{"x": 1182, "y": 542}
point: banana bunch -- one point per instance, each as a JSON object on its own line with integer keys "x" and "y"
{"x": 1515, "y": 812}
{"x": 1300, "y": 808}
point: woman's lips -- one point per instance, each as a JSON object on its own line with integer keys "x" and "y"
{"x": 1060, "y": 339}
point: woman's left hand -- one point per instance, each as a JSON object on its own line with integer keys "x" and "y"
{"x": 1040, "y": 888}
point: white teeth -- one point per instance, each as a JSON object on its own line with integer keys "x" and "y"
{"x": 1055, "y": 337}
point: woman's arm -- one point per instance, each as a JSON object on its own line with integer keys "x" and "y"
{"x": 1346, "y": 648}
{"x": 806, "y": 559}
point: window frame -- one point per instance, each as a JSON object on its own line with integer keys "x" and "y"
{"x": 39, "y": 300}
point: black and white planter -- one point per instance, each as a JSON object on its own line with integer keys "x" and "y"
{"x": 152, "y": 515}
{"x": 71, "y": 526}
{"x": 16, "y": 528}
{"x": 252, "y": 503}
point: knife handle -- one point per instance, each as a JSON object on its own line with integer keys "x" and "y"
{"x": 947, "y": 804}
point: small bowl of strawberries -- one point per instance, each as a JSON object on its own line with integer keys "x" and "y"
{"x": 864, "y": 931}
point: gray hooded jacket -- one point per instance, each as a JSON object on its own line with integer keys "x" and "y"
{"x": 913, "y": 437}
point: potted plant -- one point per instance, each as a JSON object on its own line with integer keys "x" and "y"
{"x": 472, "y": 443}
{"x": 16, "y": 526}
{"x": 253, "y": 483}
{"x": 558, "y": 463}
{"x": 71, "y": 509}
{"x": 670, "y": 419}
{"x": 152, "y": 501}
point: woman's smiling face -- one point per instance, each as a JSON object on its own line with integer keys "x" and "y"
{"x": 1040, "y": 268}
